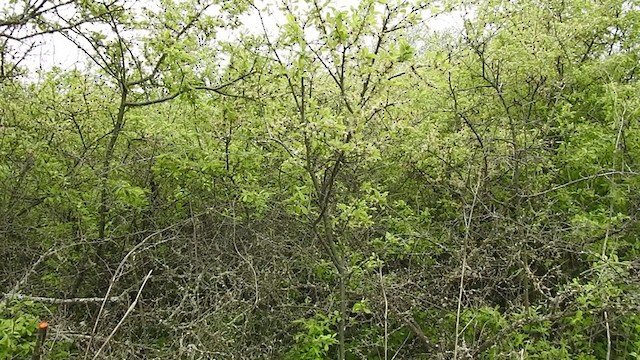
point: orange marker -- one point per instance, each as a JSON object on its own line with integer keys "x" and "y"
{"x": 42, "y": 334}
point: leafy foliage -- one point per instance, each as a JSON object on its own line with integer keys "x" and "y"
{"x": 315, "y": 180}
{"x": 17, "y": 330}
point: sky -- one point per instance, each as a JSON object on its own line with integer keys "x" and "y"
{"x": 56, "y": 50}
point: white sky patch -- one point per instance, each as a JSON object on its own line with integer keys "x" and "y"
{"x": 57, "y": 51}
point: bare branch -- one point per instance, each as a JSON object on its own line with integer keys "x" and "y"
{"x": 65, "y": 301}
{"x": 590, "y": 177}
{"x": 126, "y": 314}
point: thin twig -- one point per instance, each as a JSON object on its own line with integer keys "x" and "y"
{"x": 386, "y": 316}
{"x": 464, "y": 265}
{"x": 606, "y": 322}
{"x": 116, "y": 274}
{"x": 632, "y": 173}
{"x": 126, "y": 314}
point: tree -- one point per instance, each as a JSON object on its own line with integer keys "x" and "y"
{"x": 346, "y": 183}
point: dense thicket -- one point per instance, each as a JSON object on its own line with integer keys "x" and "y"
{"x": 346, "y": 184}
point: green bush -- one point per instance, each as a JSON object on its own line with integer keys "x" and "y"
{"x": 315, "y": 339}
{"x": 17, "y": 330}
